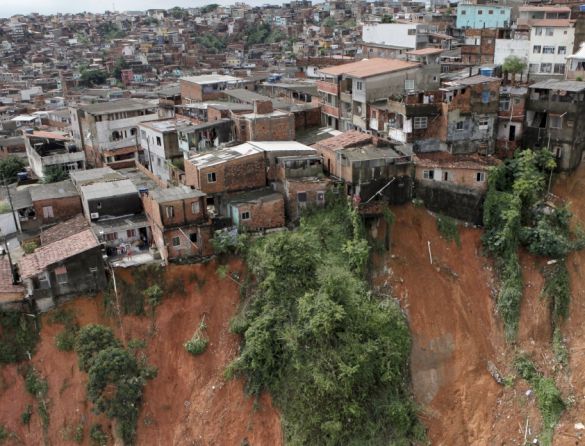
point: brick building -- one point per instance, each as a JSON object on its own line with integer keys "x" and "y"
{"x": 208, "y": 87}
{"x": 55, "y": 202}
{"x": 179, "y": 223}
{"x": 256, "y": 210}
{"x": 264, "y": 124}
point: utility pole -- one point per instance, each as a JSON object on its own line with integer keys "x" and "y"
{"x": 9, "y": 258}
{"x": 16, "y": 224}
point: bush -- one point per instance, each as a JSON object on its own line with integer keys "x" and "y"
{"x": 4, "y": 433}
{"x": 91, "y": 340}
{"x": 30, "y": 247}
{"x": 97, "y": 435}
{"x": 198, "y": 343}
{"x": 18, "y": 336}
{"x": 26, "y": 415}
{"x": 65, "y": 340}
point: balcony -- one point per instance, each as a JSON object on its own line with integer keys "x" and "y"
{"x": 345, "y": 96}
{"x": 410, "y": 110}
{"x": 551, "y": 106}
{"x": 330, "y": 110}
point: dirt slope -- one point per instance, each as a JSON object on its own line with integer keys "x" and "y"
{"x": 188, "y": 403}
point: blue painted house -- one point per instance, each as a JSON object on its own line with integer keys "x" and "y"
{"x": 483, "y": 16}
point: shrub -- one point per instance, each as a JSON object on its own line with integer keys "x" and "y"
{"x": 18, "y": 336}
{"x": 30, "y": 247}
{"x": 65, "y": 340}
{"x": 198, "y": 343}
{"x": 26, "y": 415}
{"x": 4, "y": 433}
{"x": 91, "y": 340}
{"x": 97, "y": 435}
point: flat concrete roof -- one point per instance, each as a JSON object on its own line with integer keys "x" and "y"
{"x": 175, "y": 193}
{"x": 108, "y": 189}
{"x": 61, "y": 189}
{"x": 552, "y": 84}
{"x": 116, "y": 106}
{"x": 206, "y": 79}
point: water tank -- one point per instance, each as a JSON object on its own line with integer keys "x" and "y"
{"x": 22, "y": 176}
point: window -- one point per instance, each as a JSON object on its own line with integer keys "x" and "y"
{"x": 211, "y": 177}
{"x": 480, "y": 177}
{"x": 459, "y": 126}
{"x": 176, "y": 241}
{"x": 111, "y": 236}
{"x": 320, "y": 198}
{"x": 550, "y": 32}
{"x": 548, "y": 50}
{"x": 158, "y": 141}
{"x": 61, "y": 275}
{"x": 302, "y": 197}
{"x": 504, "y": 103}
{"x": 502, "y": 11}
{"x": 193, "y": 237}
{"x": 555, "y": 122}
{"x": 412, "y": 32}
{"x": 559, "y": 68}
{"x": 195, "y": 207}
{"x": 545, "y": 67}
{"x": 446, "y": 176}
{"x": 359, "y": 85}
{"x": 420, "y": 122}
{"x": 491, "y": 12}
{"x": 533, "y": 68}
{"x": 483, "y": 124}
{"x": 538, "y": 32}
{"x": 170, "y": 211}
{"x": 428, "y": 174}
{"x": 48, "y": 212}
{"x": 485, "y": 96}
{"x": 463, "y": 12}
{"x": 245, "y": 215}
{"x": 536, "y": 49}
{"x": 480, "y": 12}
{"x": 130, "y": 233}
{"x": 562, "y": 50}
{"x": 409, "y": 84}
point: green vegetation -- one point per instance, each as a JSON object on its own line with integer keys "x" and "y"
{"x": 30, "y": 246}
{"x": 260, "y": 32}
{"x": 209, "y": 8}
{"x": 110, "y": 31}
{"x": 38, "y": 387}
{"x": 18, "y": 336}
{"x": 333, "y": 355}
{"x": 65, "y": 340}
{"x": 447, "y": 227}
{"x": 329, "y": 22}
{"x": 153, "y": 296}
{"x": 515, "y": 214}
{"x": 97, "y": 436}
{"x": 4, "y": 434}
{"x": 90, "y": 78}
{"x": 513, "y": 65}
{"x": 550, "y": 401}
{"x": 115, "y": 378}
{"x": 212, "y": 43}
{"x": 92, "y": 339}
{"x": 198, "y": 343}
{"x": 387, "y": 19}
{"x": 26, "y": 415}
{"x": 9, "y": 167}
{"x": 54, "y": 174}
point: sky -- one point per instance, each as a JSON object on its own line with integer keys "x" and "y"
{"x": 11, "y": 7}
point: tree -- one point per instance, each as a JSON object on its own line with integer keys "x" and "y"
{"x": 54, "y": 174}
{"x": 120, "y": 65}
{"x": 92, "y": 339}
{"x": 387, "y": 19}
{"x": 9, "y": 167}
{"x": 513, "y": 65}
{"x": 93, "y": 77}
{"x": 178, "y": 13}
{"x": 208, "y": 8}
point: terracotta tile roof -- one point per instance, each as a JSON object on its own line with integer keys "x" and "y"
{"x": 6, "y": 285}
{"x": 352, "y": 138}
{"x": 425, "y": 51}
{"x": 64, "y": 230}
{"x": 50, "y": 135}
{"x": 445, "y": 159}
{"x": 369, "y": 67}
{"x": 33, "y": 264}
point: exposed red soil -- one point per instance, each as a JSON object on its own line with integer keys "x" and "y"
{"x": 188, "y": 403}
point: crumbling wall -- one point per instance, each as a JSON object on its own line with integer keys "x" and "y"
{"x": 455, "y": 201}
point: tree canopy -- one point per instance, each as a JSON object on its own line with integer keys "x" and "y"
{"x": 333, "y": 355}
{"x": 9, "y": 167}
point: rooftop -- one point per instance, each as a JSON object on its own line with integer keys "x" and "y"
{"x": 167, "y": 125}
{"x": 175, "y": 193}
{"x": 552, "y": 84}
{"x": 425, "y": 51}
{"x": 536, "y": 8}
{"x": 259, "y": 195}
{"x": 108, "y": 189}
{"x": 32, "y": 264}
{"x": 64, "y": 230}
{"x": 445, "y": 159}
{"x": 369, "y": 152}
{"x": 211, "y": 79}
{"x": 6, "y": 285}
{"x": 369, "y": 67}
{"x": 82, "y": 177}
{"x": 351, "y": 138}
{"x": 60, "y": 189}
{"x": 560, "y": 23}
{"x": 475, "y": 80}
{"x": 120, "y": 105}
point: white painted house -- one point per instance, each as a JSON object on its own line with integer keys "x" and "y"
{"x": 551, "y": 41}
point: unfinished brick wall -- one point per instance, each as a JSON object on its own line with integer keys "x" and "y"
{"x": 263, "y": 214}
{"x": 63, "y": 209}
{"x": 190, "y": 92}
{"x": 307, "y": 118}
{"x": 263, "y": 107}
{"x": 311, "y": 187}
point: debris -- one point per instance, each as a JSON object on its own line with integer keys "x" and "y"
{"x": 579, "y": 426}
{"x": 528, "y": 392}
{"x": 495, "y": 372}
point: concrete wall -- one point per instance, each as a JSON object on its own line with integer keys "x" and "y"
{"x": 483, "y": 16}
{"x": 392, "y": 34}
{"x": 511, "y": 47}
{"x": 452, "y": 200}
{"x": 63, "y": 209}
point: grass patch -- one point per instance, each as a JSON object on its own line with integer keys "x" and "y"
{"x": 548, "y": 396}
{"x": 448, "y": 229}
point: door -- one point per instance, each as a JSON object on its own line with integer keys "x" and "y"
{"x": 512, "y": 133}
